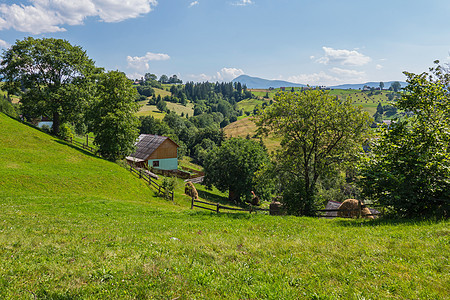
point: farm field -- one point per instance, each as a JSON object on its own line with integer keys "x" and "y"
{"x": 151, "y": 110}
{"x": 246, "y": 127}
{"x": 74, "y": 226}
{"x": 161, "y": 92}
{"x": 248, "y": 105}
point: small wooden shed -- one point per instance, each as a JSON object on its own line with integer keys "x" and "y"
{"x": 155, "y": 151}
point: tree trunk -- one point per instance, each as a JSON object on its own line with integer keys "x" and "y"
{"x": 233, "y": 197}
{"x": 56, "y": 123}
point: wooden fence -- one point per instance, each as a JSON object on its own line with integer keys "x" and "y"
{"x": 81, "y": 145}
{"x": 216, "y": 207}
{"x": 144, "y": 174}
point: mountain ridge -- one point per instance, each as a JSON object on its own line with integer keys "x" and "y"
{"x": 261, "y": 83}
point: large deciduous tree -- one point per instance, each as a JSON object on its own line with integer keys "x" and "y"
{"x": 319, "y": 132}
{"x": 409, "y": 166}
{"x": 232, "y": 166}
{"x": 113, "y": 119}
{"x": 51, "y": 76}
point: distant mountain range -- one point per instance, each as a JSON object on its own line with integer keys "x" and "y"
{"x": 260, "y": 83}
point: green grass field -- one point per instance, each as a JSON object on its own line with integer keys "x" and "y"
{"x": 151, "y": 110}
{"x": 74, "y": 226}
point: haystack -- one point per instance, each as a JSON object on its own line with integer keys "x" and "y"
{"x": 349, "y": 208}
{"x": 255, "y": 199}
{"x": 190, "y": 190}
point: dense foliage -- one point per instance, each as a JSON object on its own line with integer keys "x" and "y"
{"x": 319, "y": 135}
{"x": 409, "y": 166}
{"x": 7, "y": 107}
{"x": 112, "y": 116}
{"x": 232, "y": 166}
{"x": 50, "y": 75}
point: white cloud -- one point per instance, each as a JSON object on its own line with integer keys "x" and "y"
{"x": 4, "y": 44}
{"x": 348, "y": 73}
{"x": 337, "y": 76}
{"x": 194, "y": 3}
{"x": 343, "y": 57}
{"x": 320, "y": 78}
{"x": 200, "y": 77}
{"x": 379, "y": 67}
{"x": 51, "y": 15}
{"x": 140, "y": 63}
{"x": 243, "y": 3}
{"x": 228, "y": 74}
{"x": 225, "y": 74}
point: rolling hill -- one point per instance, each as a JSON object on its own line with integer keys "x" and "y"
{"x": 74, "y": 226}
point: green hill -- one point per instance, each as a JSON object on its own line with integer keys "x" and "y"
{"x": 36, "y": 165}
{"x": 73, "y": 226}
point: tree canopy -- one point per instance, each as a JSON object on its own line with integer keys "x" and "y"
{"x": 232, "y": 166}
{"x": 50, "y": 75}
{"x": 408, "y": 168}
{"x": 112, "y": 116}
{"x": 319, "y": 132}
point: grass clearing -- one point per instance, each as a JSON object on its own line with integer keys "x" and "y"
{"x": 74, "y": 226}
{"x": 151, "y": 110}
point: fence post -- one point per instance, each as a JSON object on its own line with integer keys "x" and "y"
{"x": 71, "y": 140}
{"x": 172, "y": 196}
{"x": 359, "y": 209}
{"x": 192, "y": 202}
{"x": 140, "y": 173}
{"x": 218, "y": 207}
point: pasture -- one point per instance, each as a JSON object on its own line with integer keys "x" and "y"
{"x": 151, "y": 110}
{"x": 74, "y": 226}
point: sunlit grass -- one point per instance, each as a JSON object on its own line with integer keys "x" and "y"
{"x": 73, "y": 226}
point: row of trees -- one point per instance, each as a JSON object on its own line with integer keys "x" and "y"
{"x": 58, "y": 80}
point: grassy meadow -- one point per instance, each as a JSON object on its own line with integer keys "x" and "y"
{"x": 74, "y": 226}
{"x": 151, "y": 110}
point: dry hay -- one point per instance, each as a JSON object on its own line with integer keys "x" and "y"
{"x": 190, "y": 190}
{"x": 349, "y": 208}
{"x": 255, "y": 199}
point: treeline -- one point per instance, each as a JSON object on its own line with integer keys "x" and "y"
{"x": 208, "y": 98}
{"x": 195, "y": 135}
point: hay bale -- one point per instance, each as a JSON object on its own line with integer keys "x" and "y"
{"x": 349, "y": 208}
{"x": 190, "y": 190}
{"x": 276, "y": 208}
{"x": 255, "y": 199}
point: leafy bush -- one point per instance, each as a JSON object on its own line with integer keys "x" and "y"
{"x": 409, "y": 167}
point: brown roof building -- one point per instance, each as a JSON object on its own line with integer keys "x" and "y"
{"x": 159, "y": 152}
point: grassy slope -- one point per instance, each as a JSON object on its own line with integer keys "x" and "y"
{"x": 151, "y": 110}
{"x": 75, "y": 226}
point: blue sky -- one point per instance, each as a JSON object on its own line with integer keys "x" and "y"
{"x": 321, "y": 42}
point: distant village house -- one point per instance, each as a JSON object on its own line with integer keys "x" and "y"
{"x": 154, "y": 151}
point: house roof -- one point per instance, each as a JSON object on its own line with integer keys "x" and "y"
{"x": 147, "y": 144}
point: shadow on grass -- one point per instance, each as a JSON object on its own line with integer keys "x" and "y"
{"x": 77, "y": 148}
{"x": 209, "y": 196}
{"x": 43, "y": 294}
{"x": 210, "y": 214}
{"x": 384, "y": 222}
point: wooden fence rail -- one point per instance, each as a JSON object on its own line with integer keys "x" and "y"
{"x": 218, "y": 207}
{"x": 81, "y": 145}
{"x": 147, "y": 177}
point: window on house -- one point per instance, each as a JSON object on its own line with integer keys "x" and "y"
{"x": 156, "y": 163}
